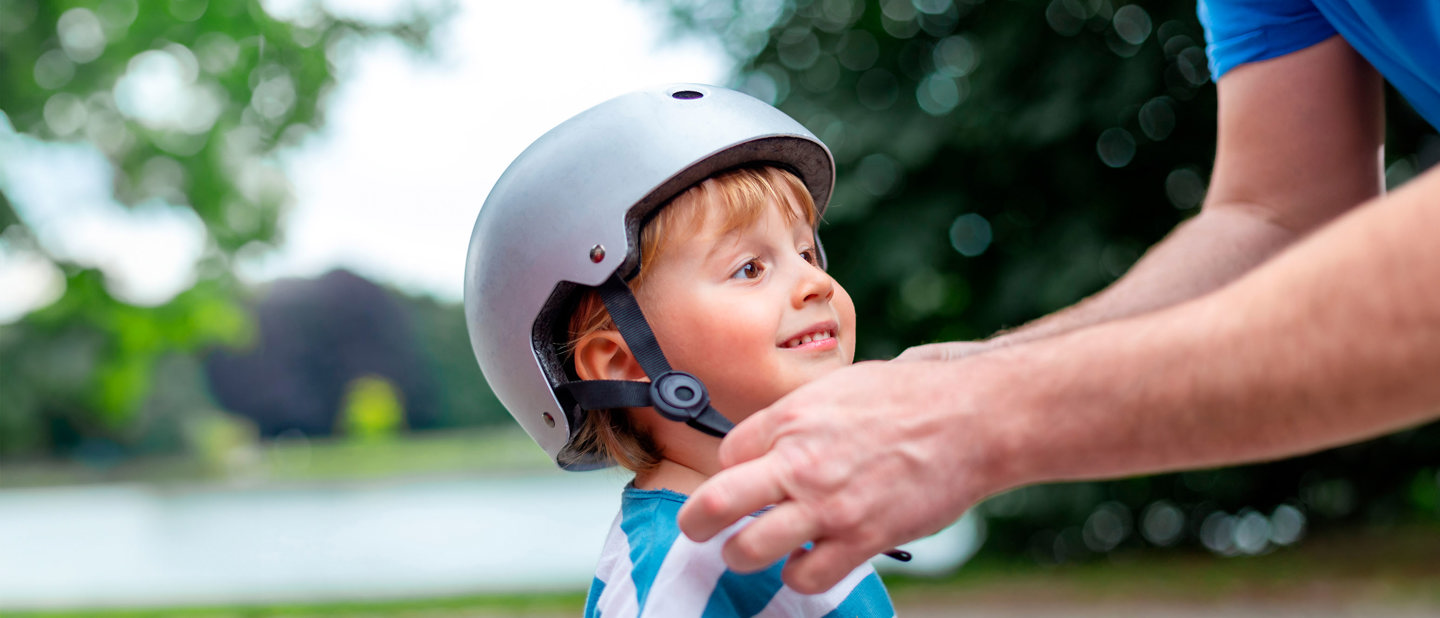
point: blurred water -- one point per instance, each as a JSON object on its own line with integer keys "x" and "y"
{"x": 136, "y": 545}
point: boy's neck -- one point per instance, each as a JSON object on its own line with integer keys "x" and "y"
{"x": 688, "y": 458}
{"x": 682, "y": 470}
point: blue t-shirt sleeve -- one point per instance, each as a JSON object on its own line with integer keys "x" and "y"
{"x": 1241, "y": 31}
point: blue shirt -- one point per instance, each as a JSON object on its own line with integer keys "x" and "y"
{"x": 1400, "y": 38}
{"x": 648, "y": 568}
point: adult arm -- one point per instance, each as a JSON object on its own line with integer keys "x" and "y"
{"x": 1299, "y": 143}
{"x": 1333, "y": 341}
{"x": 1273, "y": 364}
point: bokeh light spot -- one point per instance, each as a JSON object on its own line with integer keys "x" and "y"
{"x": 188, "y": 10}
{"x": 81, "y": 35}
{"x": 1217, "y": 533}
{"x": 937, "y": 95}
{"x": 30, "y": 279}
{"x": 1252, "y": 533}
{"x": 1157, "y": 118}
{"x": 1193, "y": 65}
{"x": 1116, "y": 147}
{"x": 898, "y": 18}
{"x": 923, "y": 292}
{"x": 970, "y": 234}
{"x": 932, "y": 7}
{"x": 53, "y": 69}
{"x": 64, "y": 113}
{"x": 274, "y": 96}
{"x": 1107, "y": 527}
{"x": 216, "y": 52}
{"x": 117, "y": 15}
{"x": 879, "y": 174}
{"x": 1066, "y": 17}
{"x": 1162, "y": 523}
{"x": 798, "y": 48}
{"x": 160, "y": 90}
{"x": 106, "y": 130}
{"x": 1287, "y": 525}
{"x": 956, "y": 56}
{"x": 162, "y": 178}
{"x": 838, "y": 15}
{"x": 1132, "y": 23}
{"x": 770, "y": 84}
{"x": 1185, "y": 188}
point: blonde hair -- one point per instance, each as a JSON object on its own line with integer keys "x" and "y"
{"x": 740, "y": 196}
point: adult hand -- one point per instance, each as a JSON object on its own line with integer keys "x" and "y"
{"x": 857, "y": 462}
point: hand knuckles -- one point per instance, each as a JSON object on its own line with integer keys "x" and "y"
{"x": 813, "y": 579}
{"x": 711, "y": 504}
{"x": 844, "y": 513}
{"x": 807, "y": 583}
{"x": 812, "y": 470}
{"x": 746, "y": 549}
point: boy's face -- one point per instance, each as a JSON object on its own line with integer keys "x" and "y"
{"x": 749, "y": 312}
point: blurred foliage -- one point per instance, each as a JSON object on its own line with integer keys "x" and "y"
{"x": 243, "y": 84}
{"x": 222, "y": 443}
{"x": 317, "y": 337}
{"x": 321, "y": 338}
{"x": 1002, "y": 159}
{"x": 371, "y": 410}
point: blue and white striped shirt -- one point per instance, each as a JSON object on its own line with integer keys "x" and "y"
{"x": 648, "y": 568}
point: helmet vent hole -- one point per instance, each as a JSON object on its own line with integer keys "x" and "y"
{"x": 549, "y": 420}
{"x": 686, "y": 95}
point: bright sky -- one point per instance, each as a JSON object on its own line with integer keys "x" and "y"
{"x": 391, "y": 187}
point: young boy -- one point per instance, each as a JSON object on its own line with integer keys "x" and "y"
{"x": 726, "y": 309}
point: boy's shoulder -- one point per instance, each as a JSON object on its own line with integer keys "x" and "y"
{"x": 649, "y": 568}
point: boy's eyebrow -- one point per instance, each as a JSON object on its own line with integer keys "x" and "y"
{"x": 724, "y": 241}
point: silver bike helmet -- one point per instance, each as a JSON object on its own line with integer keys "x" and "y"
{"x": 566, "y": 216}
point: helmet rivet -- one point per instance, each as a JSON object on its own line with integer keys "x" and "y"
{"x": 597, "y": 253}
{"x": 549, "y": 420}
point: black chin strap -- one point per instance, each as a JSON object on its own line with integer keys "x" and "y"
{"x": 676, "y": 395}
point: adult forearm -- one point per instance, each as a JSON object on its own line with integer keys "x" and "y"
{"x": 1334, "y": 340}
{"x": 1219, "y": 245}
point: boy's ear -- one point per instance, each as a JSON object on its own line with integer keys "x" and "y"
{"x": 603, "y": 355}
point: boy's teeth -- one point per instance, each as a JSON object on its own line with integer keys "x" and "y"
{"x": 804, "y": 339}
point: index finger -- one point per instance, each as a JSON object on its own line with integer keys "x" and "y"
{"x": 726, "y": 497}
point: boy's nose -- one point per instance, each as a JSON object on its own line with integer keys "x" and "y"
{"x": 814, "y": 284}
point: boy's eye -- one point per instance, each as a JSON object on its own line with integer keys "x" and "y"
{"x": 751, "y": 270}
{"x": 809, "y": 256}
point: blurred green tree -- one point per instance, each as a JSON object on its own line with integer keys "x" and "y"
{"x": 999, "y": 160}
{"x": 316, "y": 338}
{"x": 371, "y": 410}
{"x": 462, "y": 397}
{"x": 239, "y": 84}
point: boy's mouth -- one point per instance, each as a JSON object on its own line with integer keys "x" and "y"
{"x": 819, "y": 333}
